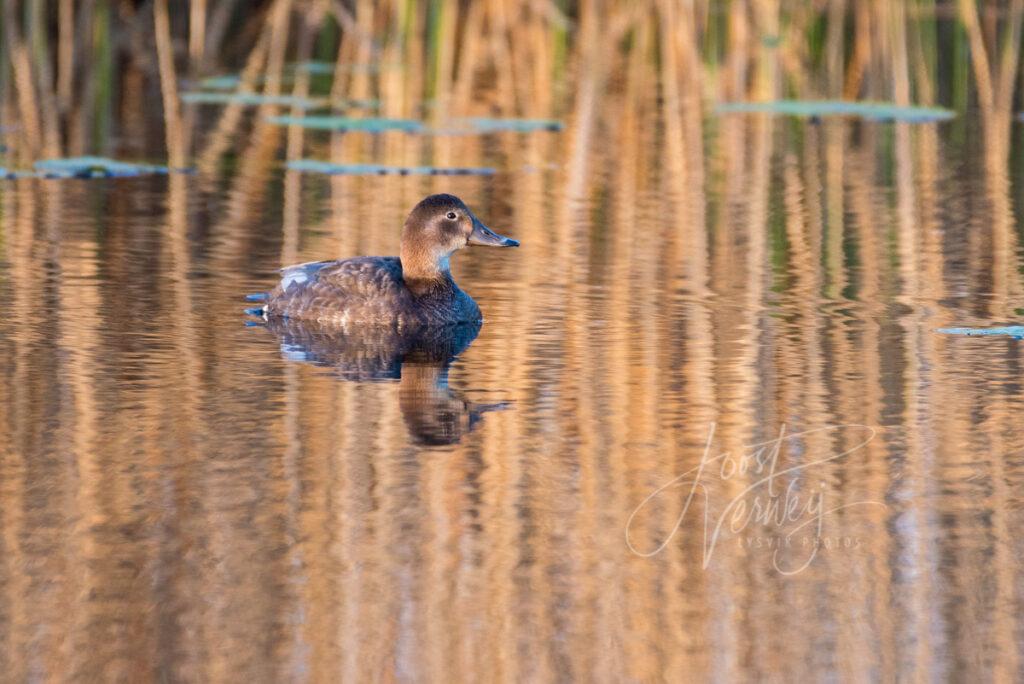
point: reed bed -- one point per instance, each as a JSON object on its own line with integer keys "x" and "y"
{"x": 72, "y": 74}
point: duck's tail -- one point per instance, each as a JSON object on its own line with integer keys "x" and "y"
{"x": 257, "y": 310}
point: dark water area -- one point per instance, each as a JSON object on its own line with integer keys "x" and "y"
{"x": 708, "y": 430}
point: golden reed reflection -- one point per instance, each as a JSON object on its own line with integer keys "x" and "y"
{"x": 179, "y": 502}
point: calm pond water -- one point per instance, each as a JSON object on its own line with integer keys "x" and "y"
{"x": 184, "y": 496}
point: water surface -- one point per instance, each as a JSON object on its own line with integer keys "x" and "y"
{"x": 186, "y": 497}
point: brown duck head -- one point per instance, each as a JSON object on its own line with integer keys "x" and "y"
{"x": 435, "y": 229}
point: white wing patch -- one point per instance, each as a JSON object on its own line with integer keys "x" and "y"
{"x": 300, "y": 274}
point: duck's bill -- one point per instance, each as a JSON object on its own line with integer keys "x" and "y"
{"x": 482, "y": 235}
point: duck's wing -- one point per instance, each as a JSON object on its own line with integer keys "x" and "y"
{"x": 326, "y": 286}
{"x": 301, "y": 274}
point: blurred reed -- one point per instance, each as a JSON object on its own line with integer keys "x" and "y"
{"x": 68, "y": 70}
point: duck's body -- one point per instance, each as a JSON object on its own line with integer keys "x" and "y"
{"x": 413, "y": 290}
{"x": 371, "y": 291}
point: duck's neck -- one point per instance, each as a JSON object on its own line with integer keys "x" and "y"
{"x": 423, "y": 270}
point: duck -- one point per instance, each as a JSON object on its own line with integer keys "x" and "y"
{"x": 408, "y": 291}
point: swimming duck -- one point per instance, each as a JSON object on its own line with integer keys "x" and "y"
{"x": 414, "y": 289}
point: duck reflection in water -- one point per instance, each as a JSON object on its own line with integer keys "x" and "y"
{"x": 434, "y": 413}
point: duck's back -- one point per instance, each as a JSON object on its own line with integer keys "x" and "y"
{"x": 363, "y": 290}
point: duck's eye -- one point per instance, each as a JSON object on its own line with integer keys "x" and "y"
{"x": 451, "y": 216}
